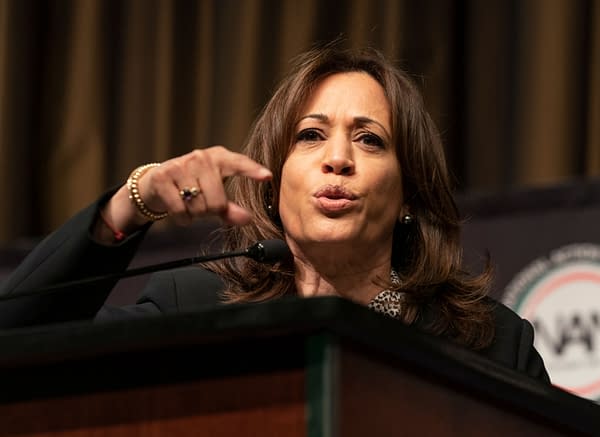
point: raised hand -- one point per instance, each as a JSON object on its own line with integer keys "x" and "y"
{"x": 191, "y": 186}
{"x": 187, "y": 187}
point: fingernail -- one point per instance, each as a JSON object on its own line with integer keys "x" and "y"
{"x": 265, "y": 172}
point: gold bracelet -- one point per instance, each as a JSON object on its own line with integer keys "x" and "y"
{"x": 134, "y": 192}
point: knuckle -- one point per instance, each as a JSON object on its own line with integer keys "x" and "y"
{"x": 220, "y": 153}
{"x": 202, "y": 157}
{"x": 166, "y": 172}
{"x": 197, "y": 153}
{"x": 158, "y": 175}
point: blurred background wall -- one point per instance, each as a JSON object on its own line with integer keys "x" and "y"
{"x": 89, "y": 89}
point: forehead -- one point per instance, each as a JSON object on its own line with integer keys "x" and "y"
{"x": 355, "y": 92}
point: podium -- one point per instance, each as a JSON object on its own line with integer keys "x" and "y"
{"x": 292, "y": 367}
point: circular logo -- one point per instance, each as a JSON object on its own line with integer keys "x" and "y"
{"x": 560, "y": 295}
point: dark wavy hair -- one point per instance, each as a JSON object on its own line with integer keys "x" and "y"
{"x": 427, "y": 254}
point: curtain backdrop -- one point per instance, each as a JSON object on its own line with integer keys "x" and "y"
{"x": 89, "y": 89}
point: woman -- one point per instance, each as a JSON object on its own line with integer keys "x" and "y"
{"x": 345, "y": 164}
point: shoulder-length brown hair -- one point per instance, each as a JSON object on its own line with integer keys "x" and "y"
{"x": 427, "y": 254}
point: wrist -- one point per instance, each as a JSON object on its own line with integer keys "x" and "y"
{"x": 122, "y": 213}
{"x": 117, "y": 234}
{"x": 136, "y": 197}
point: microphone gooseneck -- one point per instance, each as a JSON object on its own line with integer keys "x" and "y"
{"x": 264, "y": 251}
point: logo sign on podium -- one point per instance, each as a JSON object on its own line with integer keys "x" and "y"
{"x": 560, "y": 295}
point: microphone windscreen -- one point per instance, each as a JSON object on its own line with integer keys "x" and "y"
{"x": 269, "y": 251}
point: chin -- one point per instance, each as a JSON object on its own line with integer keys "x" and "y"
{"x": 327, "y": 232}
{"x": 338, "y": 238}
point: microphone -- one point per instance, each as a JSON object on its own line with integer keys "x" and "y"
{"x": 264, "y": 251}
{"x": 268, "y": 251}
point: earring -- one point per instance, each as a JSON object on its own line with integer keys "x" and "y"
{"x": 407, "y": 219}
{"x": 269, "y": 202}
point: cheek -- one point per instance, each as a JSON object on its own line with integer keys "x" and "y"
{"x": 289, "y": 189}
{"x": 388, "y": 193}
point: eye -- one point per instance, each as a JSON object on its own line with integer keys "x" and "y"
{"x": 371, "y": 140}
{"x": 309, "y": 135}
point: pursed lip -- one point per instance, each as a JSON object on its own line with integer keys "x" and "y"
{"x": 334, "y": 198}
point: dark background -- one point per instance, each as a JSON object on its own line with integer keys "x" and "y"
{"x": 90, "y": 89}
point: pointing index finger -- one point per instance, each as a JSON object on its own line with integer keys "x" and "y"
{"x": 239, "y": 164}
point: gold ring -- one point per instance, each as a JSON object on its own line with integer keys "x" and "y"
{"x": 188, "y": 194}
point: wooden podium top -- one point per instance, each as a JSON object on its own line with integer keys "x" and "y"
{"x": 69, "y": 360}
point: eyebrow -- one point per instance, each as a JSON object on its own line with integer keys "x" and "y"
{"x": 361, "y": 120}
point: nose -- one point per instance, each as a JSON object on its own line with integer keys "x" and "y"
{"x": 338, "y": 157}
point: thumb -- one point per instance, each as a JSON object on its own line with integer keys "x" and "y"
{"x": 236, "y": 215}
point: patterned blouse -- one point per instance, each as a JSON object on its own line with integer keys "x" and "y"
{"x": 388, "y": 302}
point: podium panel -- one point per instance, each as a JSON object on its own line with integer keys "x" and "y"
{"x": 251, "y": 405}
{"x": 308, "y": 367}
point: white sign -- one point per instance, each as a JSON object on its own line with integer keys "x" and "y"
{"x": 560, "y": 295}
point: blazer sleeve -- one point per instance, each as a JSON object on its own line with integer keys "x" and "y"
{"x": 173, "y": 291}
{"x": 513, "y": 344}
{"x": 68, "y": 254}
{"x": 528, "y": 358}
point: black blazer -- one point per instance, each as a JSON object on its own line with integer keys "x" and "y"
{"x": 192, "y": 288}
{"x": 70, "y": 253}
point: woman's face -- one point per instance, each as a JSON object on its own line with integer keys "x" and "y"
{"x": 341, "y": 182}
